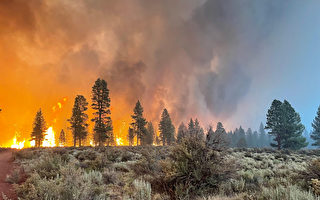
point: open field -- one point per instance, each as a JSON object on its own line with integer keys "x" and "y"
{"x": 171, "y": 172}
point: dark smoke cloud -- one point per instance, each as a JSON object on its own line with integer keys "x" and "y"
{"x": 189, "y": 56}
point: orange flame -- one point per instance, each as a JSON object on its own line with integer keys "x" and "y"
{"x": 119, "y": 141}
{"x": 49, "y": 138}
{"x": 17, "y": 145}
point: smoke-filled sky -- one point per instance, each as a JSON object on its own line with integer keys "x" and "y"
{"x": 217, "y": 60}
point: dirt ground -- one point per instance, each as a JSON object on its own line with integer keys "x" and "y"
{"x": 6, "y": 166}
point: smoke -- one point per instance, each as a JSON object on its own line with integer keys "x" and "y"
{"x": 188, "y": 56}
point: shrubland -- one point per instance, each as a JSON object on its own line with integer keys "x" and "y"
{"x": 189, "y": 170}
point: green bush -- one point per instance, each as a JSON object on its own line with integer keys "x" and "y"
{"x": 196, "y": 170}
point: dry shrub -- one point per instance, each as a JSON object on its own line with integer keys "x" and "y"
{"x": 143, "y": 190}
{"x": 16, "y": 176}
{"x": 196, "y": 170}
{"x": 315, "y": 183}
{"x": 313, "y": 169}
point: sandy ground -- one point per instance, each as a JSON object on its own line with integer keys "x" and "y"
{"x": 6, "y": 166}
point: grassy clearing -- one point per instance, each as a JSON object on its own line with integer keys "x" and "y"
{"x": 186, "y": 171}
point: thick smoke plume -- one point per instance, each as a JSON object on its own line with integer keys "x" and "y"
{"x": 189, "y": 56}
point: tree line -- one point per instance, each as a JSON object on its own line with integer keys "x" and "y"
{"x": 103, "y": 130}
{"x": 283, "y": 125}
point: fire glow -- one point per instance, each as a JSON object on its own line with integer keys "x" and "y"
{"x": 49, "y": 138}
{"x": 17, "y": 145}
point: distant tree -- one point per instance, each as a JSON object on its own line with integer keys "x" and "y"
{"x": 103, "y": 129}
{"x": 39, "y": 129}
{"x": 78, "y": 120}
{"x": 62, "y": 138}
{"x": 217, "y": 139}
{"x": 182, "y": 132}
{"x": 263, "y": 140}
{"x": 199, "y": 132}
{"x": 130, "y": 136}
{"x": 315, "y": 135}
{"x": 255, "y": 139}
{"x": 139, "y": 124}
{"x": 242, "y": 143}
{"x": 166, "y": 128}
{"x": 285, "y": 125}
{"x": 191, "y": 129}
{"x": 250, "y": 139}
{"x": 150, "y": 134}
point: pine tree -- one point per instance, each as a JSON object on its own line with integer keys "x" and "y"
{"x": 182, "y": 132}
{"x": 62, "y": 138}
{"x": 130, "y": 136}
{"x": 78, "y": 120}
{"x": 210, "y": 137}
{"x": 242, "y": 143}
{"x": 191, "y": 129}
{"x": 139, "y": 123}
{"x": 315, "y": 135}
{"x": 274, "y": 123}
{"x": 166, "y": 128}
{"x": 263, "y": 140}
{"x": 249, "y": 136}
{"x": 285, "y": 125}
{"x": 198, "y": 130}
{"x": 292, "y": 128}
{"x": 103, "y": 130}
{"x": 39, "y": 128}
{"x": 255, "y": 139}
{"x": 150, "y": 134}
{"x": 217, "y": 139}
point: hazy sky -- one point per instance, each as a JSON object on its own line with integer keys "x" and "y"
{"x": 216, "y": 60}
{"x": 287, "y": 67}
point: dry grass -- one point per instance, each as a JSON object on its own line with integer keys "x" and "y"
{"x": 187, "y": 171}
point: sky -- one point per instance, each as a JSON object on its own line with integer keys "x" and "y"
{"x": 215, "y": 60}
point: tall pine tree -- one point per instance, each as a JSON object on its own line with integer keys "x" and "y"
{"x": 150, "y": 134}
{"x": 166, "y": 128}
{"x": 78, "y": 120}
{"x": 103, "y": 130}
{"x": 39, "y": 129}
{"x": 285, "y": 125}
{"x": 139, "y": 124}
{"x": 315, "y": 135}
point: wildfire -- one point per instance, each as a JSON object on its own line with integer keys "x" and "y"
{"x": 119, "y": 141}
{"x": 49, "y": 138}
{"x": 17, "y": 145}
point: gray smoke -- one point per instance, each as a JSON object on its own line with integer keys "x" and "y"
{"x": 189, "y": 56}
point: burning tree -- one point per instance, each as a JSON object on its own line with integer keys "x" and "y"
{"x": 130, "y": 136}
{"x": 139, "y": 124}
{"x": 39, "y": 128}
{"x": 78, "y": 120}
{"x": 103, "y": 130}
